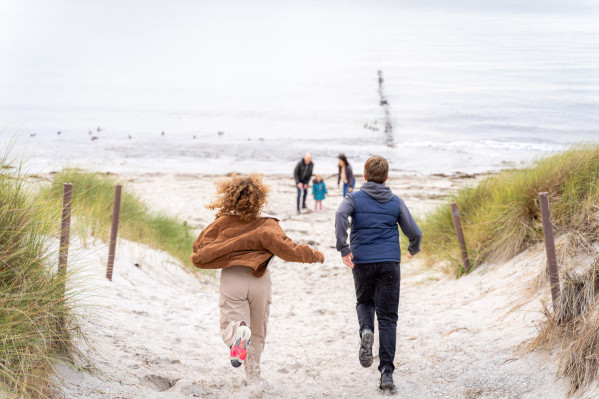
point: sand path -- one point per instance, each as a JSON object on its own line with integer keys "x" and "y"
{"x": 155, "y": 331}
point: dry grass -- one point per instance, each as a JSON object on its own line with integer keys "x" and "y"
{"x": 501, "y": 216}
{"x": 36, "y": 322}
{"x": 571, "y": 331}
{"x": 93, "y": 195}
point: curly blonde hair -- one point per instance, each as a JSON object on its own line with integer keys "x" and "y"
{"x": 244, "y": 196}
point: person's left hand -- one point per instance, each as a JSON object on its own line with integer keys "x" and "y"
{"x": 410, "y": 255}
{"x": 349, "y": 190}
{"x": 347, "y": 260}
{"x": 305, "y": 186}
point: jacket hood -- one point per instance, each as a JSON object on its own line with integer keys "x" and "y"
{"x": 378, "y": 191}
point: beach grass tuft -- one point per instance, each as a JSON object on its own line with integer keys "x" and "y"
{"x": 501, "y": 216}
{"x": 93, "y": 195}
{"x": 571, "y": 331}
{"x": 36, "y": 322}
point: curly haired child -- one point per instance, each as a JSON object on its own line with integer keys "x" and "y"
{"x": 242, "y": 242}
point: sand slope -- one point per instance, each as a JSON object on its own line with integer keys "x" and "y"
{"x": 155, "y": 331}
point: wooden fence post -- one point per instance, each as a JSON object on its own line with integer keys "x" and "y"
{"x": 65, "y": 228}
{"x": 460, "y": 233}
{"x": 550, "y": 247}
{"x": 113, "y": 232}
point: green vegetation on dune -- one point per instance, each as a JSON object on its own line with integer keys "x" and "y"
{"x": 35, "y": 317}
{"x": 93, "y": 195}
{"x": 501, "y": 215}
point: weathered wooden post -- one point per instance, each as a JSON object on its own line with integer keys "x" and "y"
{"x": 550, "y": 247}
{"x": 65, "y": 233}
{"x": 460, "y": 233}
{"x": 65, "y": 228}
{"x": 113, "y": 232}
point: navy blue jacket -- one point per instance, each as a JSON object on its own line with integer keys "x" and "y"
{"x": 376, "y": 213}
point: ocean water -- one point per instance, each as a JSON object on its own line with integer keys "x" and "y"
{"x": 472, "y": 86}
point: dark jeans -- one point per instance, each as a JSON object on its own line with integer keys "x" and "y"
{"x": 377, "y": 290}
{"x": 299, "y": 194}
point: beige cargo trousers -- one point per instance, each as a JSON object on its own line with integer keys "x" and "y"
{"x": 245, "y": 298}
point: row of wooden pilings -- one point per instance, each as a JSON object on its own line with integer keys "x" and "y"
{"x": 547, "y": 235}
{"x": 65, "y": 229}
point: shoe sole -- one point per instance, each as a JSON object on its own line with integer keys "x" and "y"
{"x": 365, "y": 354}
{"x": 241, "y": 338}
{"x": 389, "y": 391}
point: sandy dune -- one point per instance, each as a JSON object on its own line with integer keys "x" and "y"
{"x": 153, "y": 331}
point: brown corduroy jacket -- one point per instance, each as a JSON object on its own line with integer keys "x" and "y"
{"x": 231, "y": 241}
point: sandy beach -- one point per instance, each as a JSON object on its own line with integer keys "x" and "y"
{"x": 169, "y": 97}
{"x": 153, "y": 331}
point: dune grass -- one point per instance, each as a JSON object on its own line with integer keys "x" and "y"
{"x": 501, "y": 215}
{"x": 571, "y": 331}
{"x": 35, "y": 313}
{"x": 93, "y": 195}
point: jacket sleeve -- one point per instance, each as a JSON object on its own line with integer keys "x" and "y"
{"x": 409, "y": 228}
{"x": 296, "y": 173}
{"x": 325, "y": 188}
{"x": 276, "y": 241}
{"x": 309, "y": 175}
{"x": 203, "y": 239}
{"x": 342, "y": 224}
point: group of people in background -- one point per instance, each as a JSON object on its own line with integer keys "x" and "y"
{"x": 303, "y": 173}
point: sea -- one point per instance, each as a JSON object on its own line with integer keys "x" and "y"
{"x": 195, "y": 86}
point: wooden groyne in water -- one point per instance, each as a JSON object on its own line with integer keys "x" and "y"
{"x": 385, "y": 104}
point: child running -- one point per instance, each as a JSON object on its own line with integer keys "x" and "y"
{"x": 319, "y": 191}
{"x": 242, "y": 242}
{"x": 374, "y": 255}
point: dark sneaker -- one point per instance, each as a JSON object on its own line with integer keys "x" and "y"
{"x": 239, "y": 348}
{"x": 387, "y": 381}
{"x": 365, "y": 354}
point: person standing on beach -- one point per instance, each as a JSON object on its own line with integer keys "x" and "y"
{"x": 303, "y": 174}
{"x": 319, "y": 191}
{"x": 243, "y": 242}
{"x": 346, "y": 174}
{"x": 374, "y": 256}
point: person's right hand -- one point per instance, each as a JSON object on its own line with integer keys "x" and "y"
{"x": 300, "y": 185}
{"x": 347, "y": 260}
{"x": 320, "y": 256}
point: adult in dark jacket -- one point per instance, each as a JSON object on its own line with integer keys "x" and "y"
{"x": 303, "y": 174}
{"x": 346, "y": 174}
{"x": 374, "y": 257}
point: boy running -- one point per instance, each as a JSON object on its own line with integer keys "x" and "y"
{"x": 374, "y": 257}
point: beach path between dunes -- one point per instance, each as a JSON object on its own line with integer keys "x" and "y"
{"x": 153, "y": 331}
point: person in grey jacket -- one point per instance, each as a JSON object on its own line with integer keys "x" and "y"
{"x": 303, "y": 174}
{"x": 374, "y": 256}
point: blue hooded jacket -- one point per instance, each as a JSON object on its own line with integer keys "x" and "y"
{"x": 319, "y": 190}
{"x": 376, "y": 213}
